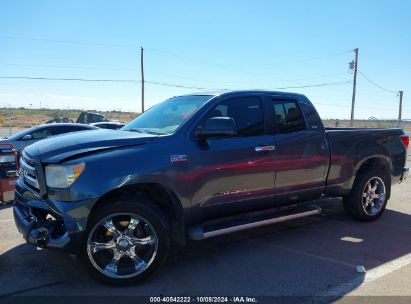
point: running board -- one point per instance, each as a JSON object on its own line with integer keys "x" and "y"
{"x": 207, "y": 231}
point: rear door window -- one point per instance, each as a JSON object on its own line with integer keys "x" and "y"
{"x": 42, "y": 133}
{"x": 57, "y": 130}
{"x": 288, "y": 116}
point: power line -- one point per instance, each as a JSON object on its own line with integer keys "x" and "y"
{"x": 158, "y": 83}
{"x": 345, "y": 107}
{"x": 310, "y": 58}
{"x": 104, "y": 44}
{"x": 68, "y": 79}
{"x": 182, "y": 77}
{"x": 178, "y": 85}
{"x": 102, "y": 80}
{"x": 318, "y": 76}
{"x": 100, "y": 68}
{"x": 375, "y": 84}
{"x": 224, "y": 66}
{"x": 219, "y": 65}
{"x": 153, "y": 72}
{"x": 76, "y": 42}
{"x": 315, "y": 85}
{"x": 64, "y": 67}
{"x": 68, "y": 41}
{"x": 328, "y": 104}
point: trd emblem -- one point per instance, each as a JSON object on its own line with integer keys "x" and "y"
{"x": 178, "y": 158}
{"x": 232, "y": 192}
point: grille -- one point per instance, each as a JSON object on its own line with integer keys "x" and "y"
{"x": 28, "y": 171}
{"x": 8, "y": 170}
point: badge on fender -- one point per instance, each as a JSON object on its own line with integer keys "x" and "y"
{"x": 178, "y": 158}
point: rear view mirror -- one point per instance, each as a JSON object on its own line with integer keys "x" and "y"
{"x": 27, "y": 137}
{"x": 218, "y": 126}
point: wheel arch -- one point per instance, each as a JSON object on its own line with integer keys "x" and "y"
{"x": 375, "y": 163}
{"x": 162, "y": 196}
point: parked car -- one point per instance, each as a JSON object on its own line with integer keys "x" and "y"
{"x": 89, "y": 117}
{"x": 197, "y": 166}
{"x": 8, "y": 172}
{"x": 34, "y": 134}
{"x": 113, "y": 125}
{"x": 83, "y": 118}
{"x": 59, "y": 120}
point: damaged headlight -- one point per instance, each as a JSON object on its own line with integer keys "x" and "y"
{"x": 62, "y": 176}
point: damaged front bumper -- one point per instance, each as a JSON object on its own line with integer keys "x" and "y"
{"x": 50, "y": 224}
{"x": 48, "y": 233}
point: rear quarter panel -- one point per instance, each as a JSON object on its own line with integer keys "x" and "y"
{"x": 350, "y": 148}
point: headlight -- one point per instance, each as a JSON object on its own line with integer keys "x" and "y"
{"x": 62, "y": 176}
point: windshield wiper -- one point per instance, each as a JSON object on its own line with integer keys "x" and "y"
{"x": 135, "y": 130}
{"x": 145, "y": 131}
{"x": 154, "y": 132}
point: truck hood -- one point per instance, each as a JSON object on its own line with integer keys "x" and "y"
{"x": 62, "y": 147}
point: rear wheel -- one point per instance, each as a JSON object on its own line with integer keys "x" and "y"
{"x": 126, "y": 242}
{"x": 368, "y": 197}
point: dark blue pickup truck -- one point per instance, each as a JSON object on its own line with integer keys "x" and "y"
{"x": 197, "y": 166}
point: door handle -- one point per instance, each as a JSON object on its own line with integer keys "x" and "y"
{"x": 264, "y": 148}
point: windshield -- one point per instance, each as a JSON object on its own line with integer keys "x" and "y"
{"x": 167, "y": 116}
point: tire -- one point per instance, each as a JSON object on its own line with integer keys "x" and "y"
{"x": 362, "y": 203}
{"x": 126, "y": 242}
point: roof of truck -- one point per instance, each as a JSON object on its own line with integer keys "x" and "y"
{"x": 234, "y": 92}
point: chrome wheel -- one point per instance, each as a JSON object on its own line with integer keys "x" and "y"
{"x": 122, "y": 245}
{"x": 373, "y": 197}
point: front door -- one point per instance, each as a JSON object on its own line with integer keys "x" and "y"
{"x": 232, "y": 174}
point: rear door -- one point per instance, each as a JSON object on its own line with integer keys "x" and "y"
{"x": 301, "y": 154}
{"x": 232, "y": 174}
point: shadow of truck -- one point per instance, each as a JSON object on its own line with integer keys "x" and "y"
{"x": 298, "y": 259}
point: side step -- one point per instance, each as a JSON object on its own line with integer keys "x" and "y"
{"x": 203, "y": 232}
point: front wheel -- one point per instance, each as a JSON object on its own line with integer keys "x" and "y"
{"x": 126, "y": 242}
{"x": 368, "y": 197}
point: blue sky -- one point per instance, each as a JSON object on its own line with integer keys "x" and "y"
{"x": 208, "y": 45}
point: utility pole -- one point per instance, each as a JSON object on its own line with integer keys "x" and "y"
{"x": 9, "y": 120}
{"x": 354, "y": 87}
{"x": 142, "y": 79}
{"x": 400, "y": 111}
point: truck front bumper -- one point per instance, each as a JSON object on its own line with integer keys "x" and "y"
{"x": 404, "y": 175}
{"x": 51, "y": 224}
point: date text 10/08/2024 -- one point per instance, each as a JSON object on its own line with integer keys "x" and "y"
{"x": 187, "y": 299}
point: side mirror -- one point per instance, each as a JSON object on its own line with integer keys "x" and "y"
{"x": 218, "y": 126}
{"x": 27, "y": 137}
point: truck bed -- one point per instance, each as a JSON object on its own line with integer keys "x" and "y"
{"x": 352, "y": 147}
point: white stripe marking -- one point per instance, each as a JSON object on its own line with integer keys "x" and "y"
{"x": 371, "y": 275}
